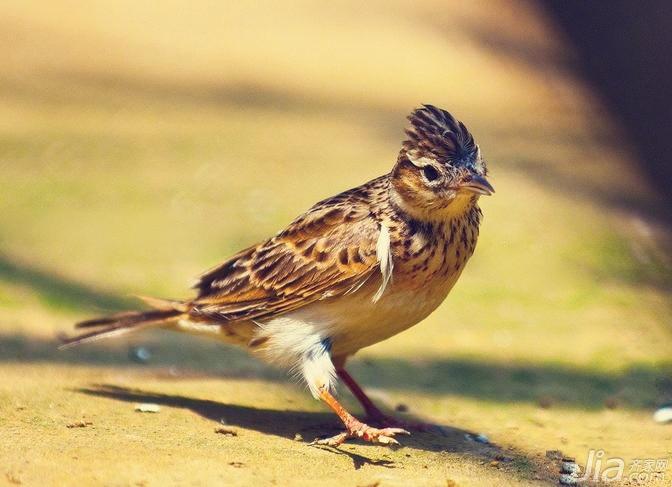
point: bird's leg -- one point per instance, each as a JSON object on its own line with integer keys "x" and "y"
{"x": 373, "y": 413}
{"x": 318, "y": 369}
{"x": 371, "y": 410}
{"x": 354, "y": 427}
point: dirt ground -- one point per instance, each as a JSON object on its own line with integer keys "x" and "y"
{"x": 139, "y": 146}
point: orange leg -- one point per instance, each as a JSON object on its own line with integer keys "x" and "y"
{"x": 355, "y": 428}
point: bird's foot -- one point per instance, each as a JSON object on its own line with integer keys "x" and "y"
{"x": 357, "y": 429}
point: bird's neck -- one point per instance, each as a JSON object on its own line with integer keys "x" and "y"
{"x": 460, "y": 206}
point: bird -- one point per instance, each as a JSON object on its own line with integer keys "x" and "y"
{"x": 353, "y": 270}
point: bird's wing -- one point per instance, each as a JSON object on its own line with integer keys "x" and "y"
{"x": 328, "y": 251}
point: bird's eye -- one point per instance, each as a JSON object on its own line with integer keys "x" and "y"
{"x": 430, "y": 173}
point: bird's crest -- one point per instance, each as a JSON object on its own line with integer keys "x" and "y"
{"x": 435, "y": 132}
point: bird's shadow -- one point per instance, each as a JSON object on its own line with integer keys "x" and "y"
{"x": 287, "y": 424}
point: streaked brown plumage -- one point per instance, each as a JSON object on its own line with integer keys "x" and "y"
{"x": 353, "y": 270}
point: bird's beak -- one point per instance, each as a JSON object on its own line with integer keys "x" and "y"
{"x": 478, "y": 185}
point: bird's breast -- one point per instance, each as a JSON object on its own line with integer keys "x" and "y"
{"x": 426, "y": 266}
{"x": 433, "y": 254}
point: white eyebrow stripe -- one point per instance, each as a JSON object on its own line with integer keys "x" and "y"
{"x": 419, "y": 161}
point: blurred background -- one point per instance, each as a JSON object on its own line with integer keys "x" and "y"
{"x": 141, "y": 144}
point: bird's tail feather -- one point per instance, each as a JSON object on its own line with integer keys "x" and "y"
{"x": 129, "y": 321}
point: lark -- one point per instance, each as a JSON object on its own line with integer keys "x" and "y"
{"x": 353, "y": 270}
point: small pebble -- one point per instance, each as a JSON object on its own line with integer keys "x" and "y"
{"x": 569, "y": 466}
{"x": 79, "y": 424}
{"x": 142, "y": 355}
{"x": 298, "y": 437}
{"x": 226, "y": 431}
{"x": 663, "y": 415}
{"x": 401, "y": 408}
{"x": 147, "y": 408}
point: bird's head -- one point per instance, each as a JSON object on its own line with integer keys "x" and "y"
{"x": 440, "y": 172}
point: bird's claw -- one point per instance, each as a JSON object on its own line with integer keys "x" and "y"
{"x": 384, "y": 436}
{"x": 334, "y": 441}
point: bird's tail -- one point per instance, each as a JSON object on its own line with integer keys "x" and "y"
{"x": 164, "y": 312}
